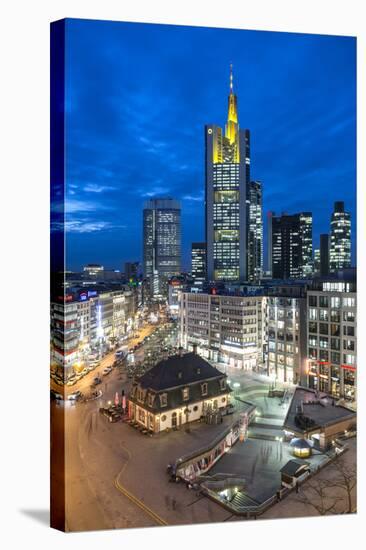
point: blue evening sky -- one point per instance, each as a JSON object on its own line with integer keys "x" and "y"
{"x": 138, "y": 97}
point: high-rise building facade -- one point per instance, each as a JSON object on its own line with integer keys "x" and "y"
{"x": 161, "y": 242}
{"x": 332, "y": 338}
{"x": 340, "y": 238}
{"x": 316, "y": 261}
{"x": 131, "y": 270}
{"x": 324, "y": 255}
{"x": 255, "y": 232}
{"x": 198, "y": 263}
{"x": 227, "y": 169}
{"x": 291, "y": 245}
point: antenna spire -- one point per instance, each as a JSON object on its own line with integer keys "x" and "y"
{"x": 231, "y": 78}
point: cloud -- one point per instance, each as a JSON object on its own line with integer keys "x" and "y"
{"x": 155, "y": 191}
{"x": 198, "y": 198}
{"x": 95, "y": 188}
{"x": 80, "y": 226}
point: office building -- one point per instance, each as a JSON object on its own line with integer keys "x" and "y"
{"x": 340, "y": 238}
{"x": 225, "y": 328}
{"x": 227, "y": 163}
{"x": 324, "y": 255}
{"x": 286, "y": 333}
{"x": 316, "y": 261}
{"x": 255, "y": 232}
{"x": 161, "y": 243}
{"x": 198, "y": 263}
{"x": 291, "y": 248}
{"x": 131, "y": 271}
{"x": 332, "y": 337}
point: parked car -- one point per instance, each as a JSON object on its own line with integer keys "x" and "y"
{"x": 97, "y": 381}
{"x": 71, "y": 382}
{"x": 107, "y": 370}
{"x": 75, "y": 395}
{"x": 55, "y": 395}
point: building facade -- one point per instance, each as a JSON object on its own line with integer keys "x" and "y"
{"x": 255, "y": 232}
{"x": 340, "y": 238}
{"x": 228, "y": 329}
{"x": 324, "y": 255}
{"x": 178, "y": 390}
{"x": 332, "y": 338}
{"x": 162, "y": 243}
{"x": 291, "y": 245}
{"x": 227, "y": 167}
{"x": 286, "y": 335}
{"x": 198, "y": 259}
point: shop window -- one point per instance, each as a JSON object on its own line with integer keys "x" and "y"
{"x": 313, "y": 353}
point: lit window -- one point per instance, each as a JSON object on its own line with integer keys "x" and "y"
{"x": 185, "y": 392}
{"x": 163, "y": 400}
{"x": 204, "y": 388}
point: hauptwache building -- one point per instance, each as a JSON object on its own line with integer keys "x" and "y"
{"x": 178, "y": 390}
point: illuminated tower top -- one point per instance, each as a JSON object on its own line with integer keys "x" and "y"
{"x": 232, "y": 126}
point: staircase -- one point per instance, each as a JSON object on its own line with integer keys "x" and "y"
{"x": 242, "y": 500}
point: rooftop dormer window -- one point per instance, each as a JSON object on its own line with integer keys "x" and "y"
{"x": 163, "y": 400}
{"x": 185, "y": 393}
{"x": 204, "y": 388}
{"x": 222, "y": 384}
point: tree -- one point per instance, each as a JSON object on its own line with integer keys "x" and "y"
{"x": 346, "y": 479}
{"x": 316, "y": 495}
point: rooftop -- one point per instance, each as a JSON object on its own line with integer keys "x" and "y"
{"x": 320, "y": 409}
{"x": 293, "y": 466}
{"x": 178, "y": 370}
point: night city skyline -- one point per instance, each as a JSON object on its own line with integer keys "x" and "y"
{"x": 139, "y": 110}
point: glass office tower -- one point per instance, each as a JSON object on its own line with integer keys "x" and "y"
{"x": 161, "y": 242}
{"x": 340, "y": 238}
{"x": 227, "y": 169}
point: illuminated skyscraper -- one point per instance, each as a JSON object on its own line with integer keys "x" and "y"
{"x": 291, "y": 245}
{"x": 340, "y": 238}
{"x": 227, "y": 176}
{"x": 161, "y": 242}
{"x": 199, "y": 263}
{"x": 255, "y": 232}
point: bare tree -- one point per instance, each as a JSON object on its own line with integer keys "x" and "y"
{"x": 316, "y": 495}
{"x": 346, "y": 479}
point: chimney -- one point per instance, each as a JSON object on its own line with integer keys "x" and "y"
{"x": 195, "y": 348}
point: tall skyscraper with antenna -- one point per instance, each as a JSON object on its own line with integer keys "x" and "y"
{"x": 227, "y": 163}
